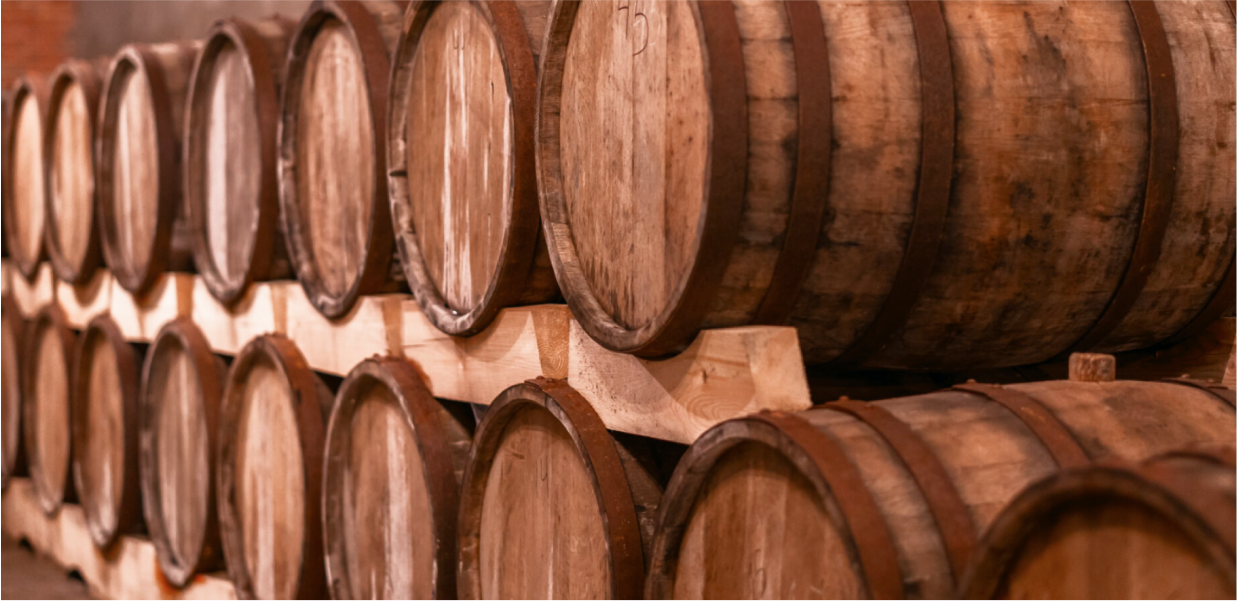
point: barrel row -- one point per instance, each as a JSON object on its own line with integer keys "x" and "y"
{"x": 300, "y": 485}
{"x": 929, "y": 186}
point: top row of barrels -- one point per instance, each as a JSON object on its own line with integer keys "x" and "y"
{"x": 922, "y": 185}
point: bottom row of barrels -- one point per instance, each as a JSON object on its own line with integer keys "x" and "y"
{"x": 302, "y": 485}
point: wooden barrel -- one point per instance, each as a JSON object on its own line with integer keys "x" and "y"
{"x": 231, "y": 185}
{"x": 138, "y": 159}
{"x": 182, "y": 384}
{"x": 394, "y": 457}
{"x": 460, "y": 152}
{"x": 104, "y": 428}
{"x": 46, "y": 387}
{"x": 6, "y": 114}
{"x": 12, "y": 360}
{"x": 332, "y": 157}
{"x": 269, "y": 472}
{"x": 23, "y": 174}
{"x": 1162, "y": 529}
{"x": 552, "y": 506}
{"x": 885, "y": 499}
{"x": 72, "y": 239}
{"x": 917, "y": 185}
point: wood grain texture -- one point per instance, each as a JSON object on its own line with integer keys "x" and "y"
{"x": 1052, "y": 108}
{"x": 1146, "y": 531}
{"x": 988, "y": 453}
{"x": 463, "y": 199}
{"x": 104, "y": 421}
{"x": 395, "y": 457}
{"x": 72, "y": 239}
{"x": 11, "y": 362}
{"x": 24, "y": 183}
{"x": 45, "y": 416}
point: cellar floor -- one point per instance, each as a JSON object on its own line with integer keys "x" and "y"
{"x": 26, "y": 575}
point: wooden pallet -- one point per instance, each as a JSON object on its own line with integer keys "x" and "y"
{"x": 127, "y": 571}
{"x": 724, "y": 374}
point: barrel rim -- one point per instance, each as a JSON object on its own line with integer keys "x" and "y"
{"x": 52, "y": 318}
{"x": 128, "y": 509}
{"x": 138, "y": 60}
{"x": 877, "y": 570}
{"x": 262, "y": 70}
{"x": 184, "y": 332}
{"x": 422, "y": 414}
{"x": 362, "y": 28}
{"x": 287, "y": 359}
{"x": 725, "y": 182}
{"x": 601, "y": 460}
{"x": 86, "y": 74}
{"x": 518, "y": 246}
{"x": 1114, "y": 480}
{"x": 35, "y": 88}
{"x": 13, "y": 320}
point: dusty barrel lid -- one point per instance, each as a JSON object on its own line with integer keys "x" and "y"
{"x": 104, "y": 420}
{"x": 269, "y": 472}
{"x": 1162, "y": 528}
{"x": 12, "y": 359}
{"x": 46, "y": 406}
{"x": 138, "y": 183}
{"x": 543, "y": 475}
{"x": 182, "y": 387}
{"x": 391, "y": 484}
{"x": 231, "y": 185}
{"x": 460, "y": 157}
{"x": 68, "y": 156}
{"x": 332, "y": 156}
{"x": 23, "y": 201}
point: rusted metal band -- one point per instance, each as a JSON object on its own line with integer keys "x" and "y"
{"x": 873, "y": 541}
{"x": 935, "y": 179}
{"x": 1047, "y": 428}
{"x": 1210, "y": 507}
{"x": 811, "y": 188}
{"x": 1223, "y": 455}
{"x": 953, "y": 520}
{"x": 1163, "y": 142}
{"x": 1220, "y": 391}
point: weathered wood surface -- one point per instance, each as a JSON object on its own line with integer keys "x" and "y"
{"x": 395, "y": 457}
{"x": 551, "y": 505}
{"x": 12, "y": 359}
{"x": 23, "y": 200}
{"x": 124, "y": 572}
{"x": 1119, "y": 531}
{"x": 887, "y": 498}
{"x": 460, "y": 153}
{"x": 269, "y": 476}
{"x": 752, "y": 136}
{"x": 332, "y": 163}
{"x": 231, "y": 180}
{"x": 48, "y": 349}
{"x": 182, "y": 386}
{"x": 104, "y": 429}
{"x": 141, "y": 132}
{"x": 72, "y": 238}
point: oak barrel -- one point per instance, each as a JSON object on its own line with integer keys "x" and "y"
{"x": 22, "y": 205}
{"x": 1162, "y": 529}
{"x": 269, "y": 472}
{"x": 460, "y": 152}
{"x": 885, "y": 499}
{"x": 552, "y": 506}
{"x": 71, "y": 238}
{"x": 104, "y": 428}
{"x": 926, "y": 185}
{"x": 12, "y": 359}
{"x": 394, "y": 458}
{"x": 231, "y": 185}
{"x": 138, "y": 183}
{"x": 46, "y": 387}
{"x": 182, "y": 388}
{"x": 332, "y": 156}
{"x": 6, "y": 98}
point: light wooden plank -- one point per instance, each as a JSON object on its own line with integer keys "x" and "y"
{"x": 127, "y": 572}
{"x": 140, "y": 318}
{"x": 260, "y": 311}
{"x": 336, "y": 345}
{"x": 83, "y": 302}
{"x": 31, "y": 295}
